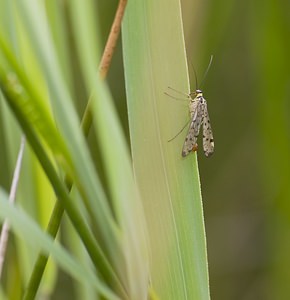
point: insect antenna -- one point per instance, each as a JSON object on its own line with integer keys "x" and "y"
{"x": 196, "y": 82}
{"x": 178, "y": 92}
{"x": 181, "y": 93}
{"x": 204, "y": 76}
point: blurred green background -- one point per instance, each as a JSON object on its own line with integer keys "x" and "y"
{"x": 245, "y": 184}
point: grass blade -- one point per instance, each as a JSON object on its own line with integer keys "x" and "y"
{"x": 27, "y": 229}
{"x": 155, "y": 58}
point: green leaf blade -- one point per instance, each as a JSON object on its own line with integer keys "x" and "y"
{"x": 155, "y": 58}
{"x": 28, "y": 230}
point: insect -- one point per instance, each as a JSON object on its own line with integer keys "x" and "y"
{"x": 198, "y": 117}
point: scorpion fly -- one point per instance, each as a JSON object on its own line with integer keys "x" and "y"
{"x": 198, "y": 117}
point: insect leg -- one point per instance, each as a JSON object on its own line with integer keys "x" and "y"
{"x": 179, "y": 132}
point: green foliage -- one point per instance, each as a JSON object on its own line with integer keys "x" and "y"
{"x": 245, "y": 184}
{"x": 143, "y": 233}
{"x": 169, "y": 183}
{"x": 130, "y": 209}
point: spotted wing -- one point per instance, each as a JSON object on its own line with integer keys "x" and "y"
{"x": 208, "y": 143}
{"x": 190, "y": 143}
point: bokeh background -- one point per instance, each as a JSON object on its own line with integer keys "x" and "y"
{"x": 245, "y": 184}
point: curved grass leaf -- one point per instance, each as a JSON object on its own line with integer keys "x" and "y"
{"x": 67, "y": 121}
{"x": 26, "y": 229}
{"x": 129, "y": 241}
{"x": 154, "y": 58}
{"x": 96, "y": 253}
{"x": 35, "y": 112}
{"x": 126, "y": 202}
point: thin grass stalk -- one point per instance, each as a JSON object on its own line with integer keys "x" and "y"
{"x": 86, "y": 123}
{"x": 5, "y": 227}
{"x": 95, "y": 252}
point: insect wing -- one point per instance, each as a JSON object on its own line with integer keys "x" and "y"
{"x": 197, "y": 112}
{"x": 208, "y": 143}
